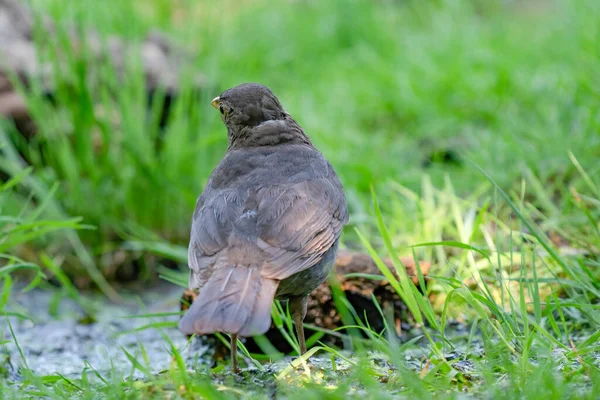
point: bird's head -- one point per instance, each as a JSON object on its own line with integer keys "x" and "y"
{"x": 254, "y": 117}
{"x": 248, "y": 104}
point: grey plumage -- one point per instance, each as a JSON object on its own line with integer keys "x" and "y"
{"x": 268, "y": 222}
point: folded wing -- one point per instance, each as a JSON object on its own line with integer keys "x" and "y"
{"x": 298, "y": 223}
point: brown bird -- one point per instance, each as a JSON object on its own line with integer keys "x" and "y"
{"x": 267, "y": 224}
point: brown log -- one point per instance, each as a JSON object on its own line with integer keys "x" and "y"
{"x": 358, "y": 290}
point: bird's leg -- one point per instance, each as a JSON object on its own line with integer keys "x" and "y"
{"x": 234, "y": 360}
{"x": 298, "y": 310}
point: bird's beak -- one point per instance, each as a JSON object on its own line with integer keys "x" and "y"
{"x": 215, "y": 102}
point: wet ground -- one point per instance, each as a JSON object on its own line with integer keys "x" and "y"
{"x": 65, "y": 341}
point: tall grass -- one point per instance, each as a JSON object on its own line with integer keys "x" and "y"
{"x": 474, "y": 122}
{"x": 537, "y": 338}
{"x": 386, "y": 91}
{"x": 23, "y": 228}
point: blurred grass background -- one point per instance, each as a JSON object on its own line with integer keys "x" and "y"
{"x": 392, "y": 92}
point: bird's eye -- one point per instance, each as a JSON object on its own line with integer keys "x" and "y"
{"x": 221, "y": 110}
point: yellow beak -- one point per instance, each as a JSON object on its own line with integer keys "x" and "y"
{"x": 215, "y": 102}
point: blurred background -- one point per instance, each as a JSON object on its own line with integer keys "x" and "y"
{"x": 475, "y": 122}
{"x": 106, "y": 111}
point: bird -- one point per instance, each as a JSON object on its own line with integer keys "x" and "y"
{"x": 267, "y": 225}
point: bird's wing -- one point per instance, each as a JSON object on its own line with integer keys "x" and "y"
{"x": 297, "y": 223}
{"x": 212, "y": 225}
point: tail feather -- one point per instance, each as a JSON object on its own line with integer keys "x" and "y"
{"x": 236, "y": 299}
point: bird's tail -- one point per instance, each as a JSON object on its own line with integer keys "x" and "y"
{"x": 236, "y": 299}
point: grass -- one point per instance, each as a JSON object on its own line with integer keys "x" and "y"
{"x": 475, "y": 123}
